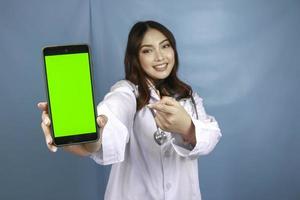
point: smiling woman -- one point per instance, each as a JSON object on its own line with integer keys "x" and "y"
{"x": 150, "y": 100}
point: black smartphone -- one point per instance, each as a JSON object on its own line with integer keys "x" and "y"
{"x": 69, "y": 86}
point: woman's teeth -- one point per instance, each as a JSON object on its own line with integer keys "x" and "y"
{"x": 161, "y": 67}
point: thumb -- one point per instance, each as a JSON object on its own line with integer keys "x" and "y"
{"x": 101, "y": 121}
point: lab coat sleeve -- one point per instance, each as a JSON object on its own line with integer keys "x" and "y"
{"x": 207, "y": 133}
{"x": 119, "y": 105}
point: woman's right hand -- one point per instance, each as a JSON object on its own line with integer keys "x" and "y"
{"x": 79, "y": 149}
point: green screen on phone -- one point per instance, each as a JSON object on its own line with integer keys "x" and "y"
{"x": 70, "y": 94}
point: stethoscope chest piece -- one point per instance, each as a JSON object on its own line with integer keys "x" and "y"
{"x": 160, "y": 136}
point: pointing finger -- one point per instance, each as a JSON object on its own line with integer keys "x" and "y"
{"x": 168, "y": 101}
{"x": 162, "y": 108}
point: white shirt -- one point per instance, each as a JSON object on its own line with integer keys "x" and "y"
{"x": 141, "y": 169}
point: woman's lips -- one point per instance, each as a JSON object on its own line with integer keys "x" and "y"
{"x": 161, "y": 67}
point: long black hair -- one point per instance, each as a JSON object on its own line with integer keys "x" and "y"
{"x": 172, "y": 85}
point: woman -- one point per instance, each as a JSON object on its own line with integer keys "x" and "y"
{"x": 153, "y": 126}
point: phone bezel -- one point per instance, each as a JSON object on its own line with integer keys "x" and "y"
{"x": 63, "y": 50}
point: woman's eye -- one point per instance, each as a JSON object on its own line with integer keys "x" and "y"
{"x": 146, "y": 51}
{"x": 166, "y": 45}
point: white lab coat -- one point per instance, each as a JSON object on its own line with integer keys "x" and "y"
{"x": 141, "y": 169}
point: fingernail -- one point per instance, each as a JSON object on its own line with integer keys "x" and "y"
{"x": 54, "y": 149}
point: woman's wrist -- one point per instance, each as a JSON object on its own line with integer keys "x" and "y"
{"x": 188, "y": 135}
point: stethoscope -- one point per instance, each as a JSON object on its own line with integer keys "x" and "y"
{"x": 160, "y": 137}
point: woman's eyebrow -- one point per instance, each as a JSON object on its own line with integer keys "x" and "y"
{"x": 149, "y": 45}
{"x": 164, "y": 41}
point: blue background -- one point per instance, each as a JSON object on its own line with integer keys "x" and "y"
{"x": 242, "y": 57}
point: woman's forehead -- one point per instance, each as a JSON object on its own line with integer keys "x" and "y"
{"x": 153, "y": 36}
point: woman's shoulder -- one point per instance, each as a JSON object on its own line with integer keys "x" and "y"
{"x": 124, "y": 85}
{"x": 196, "y": 96}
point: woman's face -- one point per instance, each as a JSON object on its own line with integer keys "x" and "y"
{"x": 156, "y": 55}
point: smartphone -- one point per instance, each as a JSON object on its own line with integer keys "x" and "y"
{"x": 69, "y": 86}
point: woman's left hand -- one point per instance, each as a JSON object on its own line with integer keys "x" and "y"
{"x": 172, "y": 117}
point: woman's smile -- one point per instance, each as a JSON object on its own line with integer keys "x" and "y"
{"x": 161, "y": 67}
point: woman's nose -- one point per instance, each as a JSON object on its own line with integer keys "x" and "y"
{"x": 159, "y": 55}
